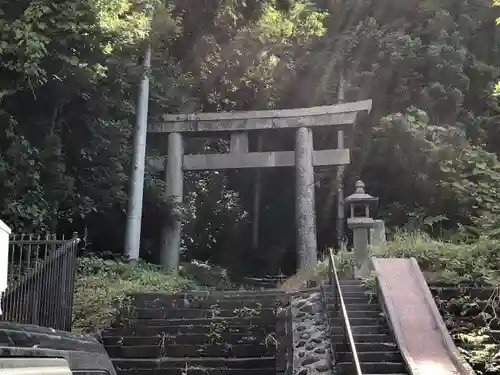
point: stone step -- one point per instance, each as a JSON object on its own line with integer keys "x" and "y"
{"x": 258, "y": 281}
{"x": 347, "y": 284}
{"x": 350, "y": 300}
{"x": 337, "y": 321}
{"x": 358, "y": 314}
{"x": 372, "y": 368}
{"x": 356, "y": 307}
{"x": 148, "y": 313}
{"x": 350, "y": 282}
{"x": 174, "y": 350}
{"x": 231, "y": 321}
{"x": 370, "y": 338}
{"x": 369, "y": 347}
{"x": 213, "y": 362}
{"x": 199, "y": 371}
{"x": 158, "y": 328}
{"x": 361, "y": 295}
{"x": 229, "y": 303}
{"x": 348, "y": 290}
{"x": 189, "y": 339}
{"x": 394, "y": 356}
{"x": 263, "y": 282}
{"x": 351, "y": 294}
{"x": 361, "y": 330}
{"x": 209, "y": 295}
{"x": 265, "y": 278}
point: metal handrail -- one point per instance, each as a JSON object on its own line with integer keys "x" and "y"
{"x": 348, "y": 336}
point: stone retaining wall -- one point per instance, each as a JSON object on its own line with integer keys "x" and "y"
{"x": 311, "y": 342}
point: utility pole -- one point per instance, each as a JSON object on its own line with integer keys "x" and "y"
{"x": 134, "y": 212}
{"x": 340, "y": 178}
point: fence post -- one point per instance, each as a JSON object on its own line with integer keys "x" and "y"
{"x": 71, "y": 281}
{"x": 4, "y": 259}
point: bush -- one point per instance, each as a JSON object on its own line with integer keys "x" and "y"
{"x": 441, "y": 262}
{"x": 206, "y": 274}
{"x": 102, "y": 285}
{"x": 344, "y": 262}
{"x": 445, "y": 262}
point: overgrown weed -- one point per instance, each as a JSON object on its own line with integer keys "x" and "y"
{"x": 446, "y": 262}
{"x": 103, "y": 285}
{"x": 344, "y": 262}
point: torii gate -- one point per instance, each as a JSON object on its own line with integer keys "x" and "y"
{"x": 238, "y": 125}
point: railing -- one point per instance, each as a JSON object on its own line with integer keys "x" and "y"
{"x": 41, "y": 278}
{"x": 339, "y": 302}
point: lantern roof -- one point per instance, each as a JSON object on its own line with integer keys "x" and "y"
{"x": 359, "y": 195}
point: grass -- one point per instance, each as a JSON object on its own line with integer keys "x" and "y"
{"x": 344, "y": 261}
{"x": 102, "y": 285}
{"x": 441, "y": 262}
{"x": 445, "y": 262}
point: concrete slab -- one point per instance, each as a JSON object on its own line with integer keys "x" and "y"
{"x": 420, "y": 332}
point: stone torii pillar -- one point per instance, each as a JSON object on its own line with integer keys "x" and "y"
{"x": 174, "y": 178}
{"x": 305, "y": 211}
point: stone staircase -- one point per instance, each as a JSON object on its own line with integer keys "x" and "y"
{"x": 378, "y": 353}
{"x": 259, "y": 283}
{"x": 244, "y": 333}
{"x": 199, "y": 333}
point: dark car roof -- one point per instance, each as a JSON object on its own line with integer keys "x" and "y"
{"x": 81, "y": 352}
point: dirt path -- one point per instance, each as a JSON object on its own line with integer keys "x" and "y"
{"x": 418, "y": 330}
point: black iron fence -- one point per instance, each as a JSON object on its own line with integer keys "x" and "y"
{"x": 41, "y": 278}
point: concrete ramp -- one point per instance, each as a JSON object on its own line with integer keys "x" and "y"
{"x": 418, "y": 328}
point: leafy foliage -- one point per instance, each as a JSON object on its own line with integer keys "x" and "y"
{"x": 68, "y": 77}
{"x": 446, "y": 262}
{"x": 445, "y": 176}
{"x": 102, "y": 285}
{"x": 429, "y": 148}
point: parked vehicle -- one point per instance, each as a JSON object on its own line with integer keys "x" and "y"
{"x": 29, "y": 349}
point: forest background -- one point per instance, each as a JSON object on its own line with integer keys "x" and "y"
{"x": 69, "y": 72}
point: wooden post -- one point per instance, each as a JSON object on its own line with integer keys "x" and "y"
{"x": 171, "y": 236}
{"x": 305, "y": 203}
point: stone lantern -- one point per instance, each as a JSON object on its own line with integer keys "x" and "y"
{"x": 361, "y": 223}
